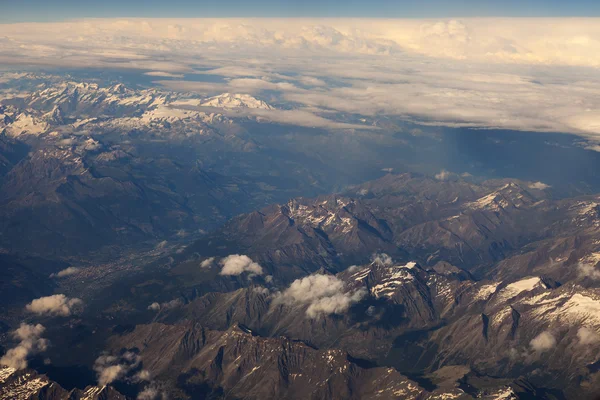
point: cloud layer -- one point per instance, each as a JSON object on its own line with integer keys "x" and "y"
{"x": 522, "y": 74}
{"x": 324, "y": 295}
{"x": 57, "y": 304}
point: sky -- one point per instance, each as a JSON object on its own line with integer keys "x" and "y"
{"x": 58, "y": 10}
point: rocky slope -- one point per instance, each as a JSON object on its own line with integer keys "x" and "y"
{"x": 238, "y": 364}
{"x": 29, "y": 385}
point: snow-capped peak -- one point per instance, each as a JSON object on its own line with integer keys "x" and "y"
{"x": 234, "y": 100}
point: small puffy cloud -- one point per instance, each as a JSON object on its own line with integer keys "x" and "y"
{"x": 269, "y": 278}
{"x": 324, "y": 295}
{"x": 587, "y": 336}
{"x": 543, "y": 342}
{"x": 165, "y": 306}
{"x": 57, "y": 304}
{"x": 66, "y": 272}
{"x": 260, "y": 290}
{"x": 207, "y": 263}
{"x": 539, "y": 185}
{"x": 30, "y": 344}
{"x": 236, "y": 264}
{"x": 443, "y": 175}
{"x": 143, "y": 375}
{"x": 182, "y": 233}
{"x": 112, "y": 368}
{"x": 382, "y": 259}
{"x": 151, "y": 392}
{"x": 588, "y": 271}
{"x": 336, "y": 304}
{"x": 161, "y": 245}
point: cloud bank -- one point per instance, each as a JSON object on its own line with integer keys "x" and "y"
{"x": 30, "y": 344}
{"x": 522, "y": 74}
{"x": 236, "y": 264}
{"x": 324, "y": 295}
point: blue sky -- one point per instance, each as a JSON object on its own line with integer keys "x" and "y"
{"x": 45, "y": 10}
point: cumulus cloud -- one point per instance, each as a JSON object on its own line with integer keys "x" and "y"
{"x": 66, "y": 272}
{"x": 382, "y": 259}
{"x": 154, "y": 306}
{"x": 110, "y": 368}
{"x": 207, "y": 263}
{"x": 543, "y": 342}
{"x": 237, "y": 264}
{"x": 587, "y": 336}
{"x": 57, "y": 304}
{"x": 30, "y": 344}
{"x": 324, "y": 295}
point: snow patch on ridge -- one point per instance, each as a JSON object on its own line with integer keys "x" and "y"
{"x": 525, "y": 285}
{"x": 235, "y": 100}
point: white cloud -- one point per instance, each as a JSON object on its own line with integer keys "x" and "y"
{"x": 324, "y": 295}
{"x": 261, "y": 290}
{"x": 587, "y": 336}
{"x": 163, "y": 74}
{"x": 112, "y": 368}
{"x": 382, "y": 259}
{"x": 207, "y": 263}
{"x": 143, "y": 375}
{"x": 539, "y": 185}
{"x": 444, "y": 175}
{"x": 588, "y": 270}
{"x": 30, "y": 344}
{"x": 543, "y": 342}
{"x": 236, "y": 264}
{"x": 57, "y": 304}
{"x": 65, "y": 272}
{"x": 165, "y": 306}
{"x": 151, "y": 392}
